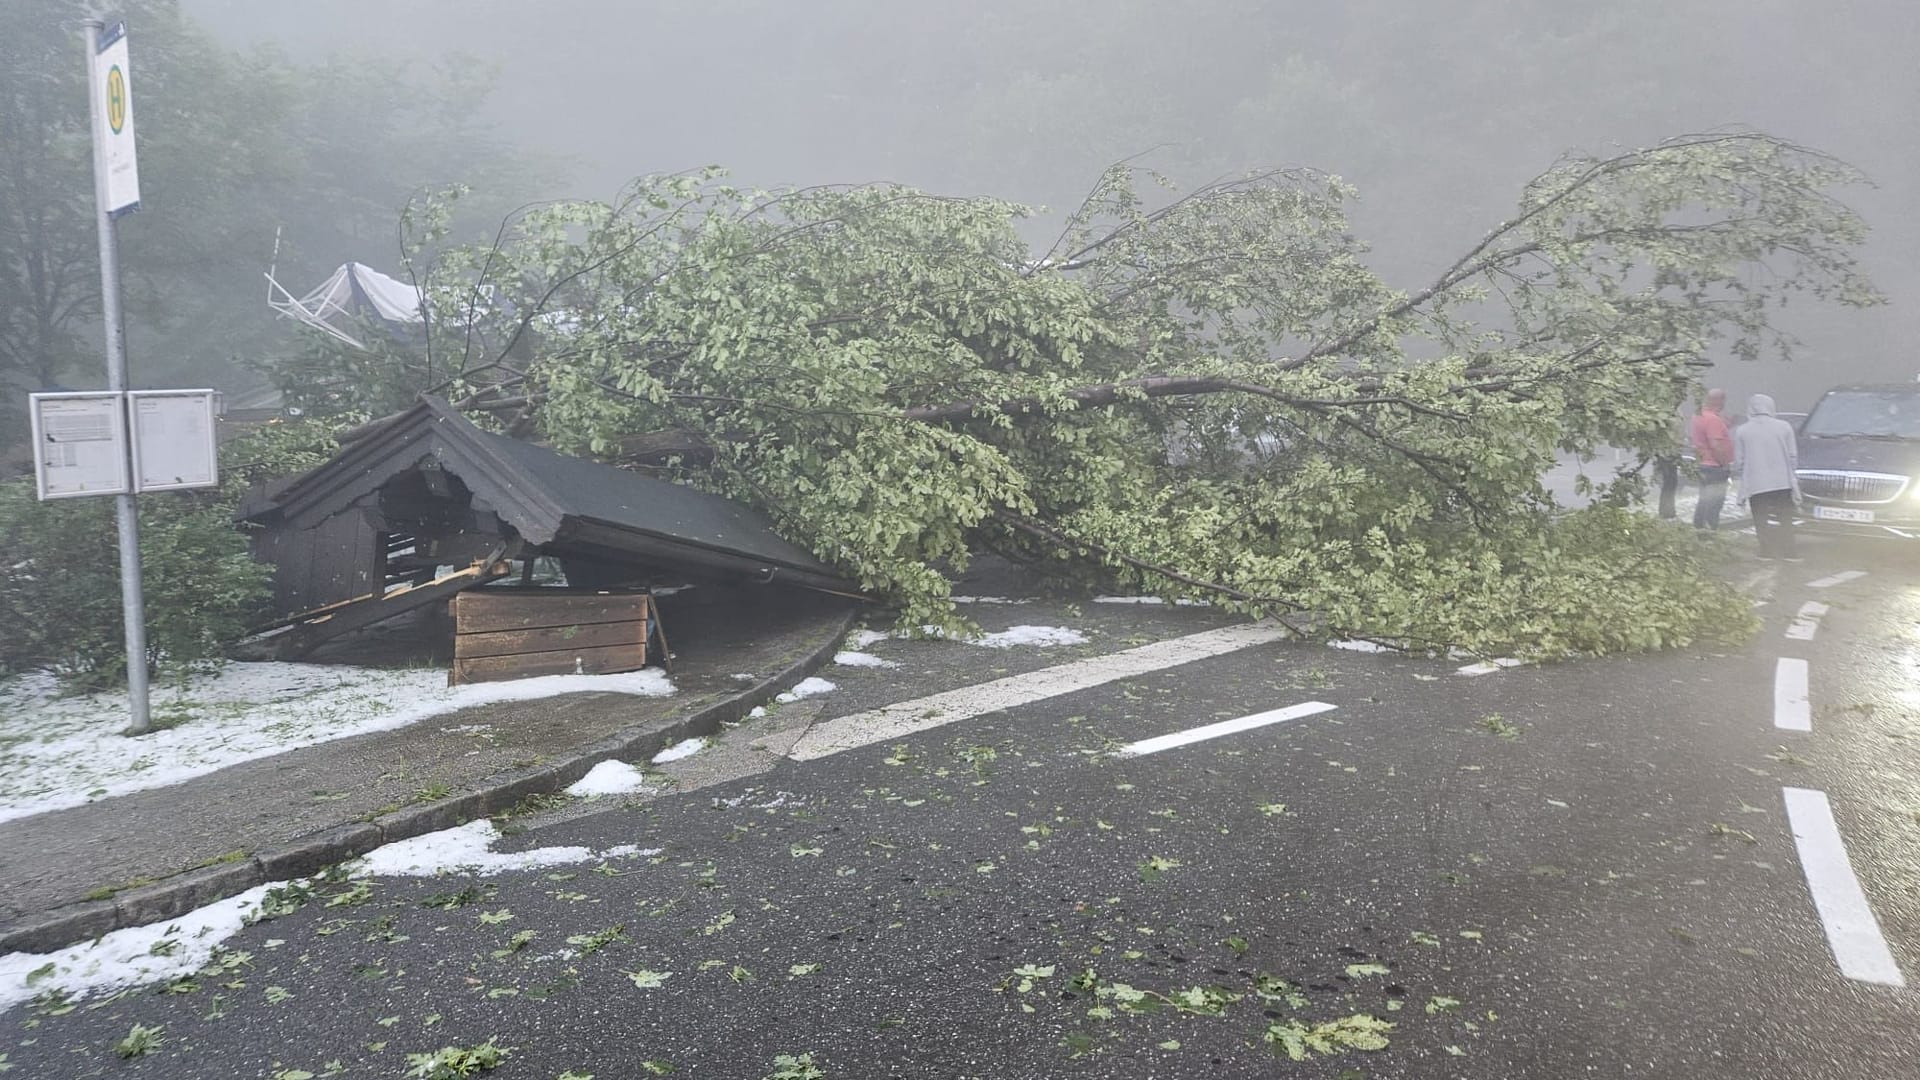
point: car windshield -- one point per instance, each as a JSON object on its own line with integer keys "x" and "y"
{"x": 1886, "y": 414}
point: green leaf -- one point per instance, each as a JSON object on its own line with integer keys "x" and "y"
{"x": 140, "y": 1041}
{"x": 1156, "y": 868}
{"x": 1300, "y": 1041}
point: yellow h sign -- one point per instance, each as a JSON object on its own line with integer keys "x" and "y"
{"x": 116, "y": 99}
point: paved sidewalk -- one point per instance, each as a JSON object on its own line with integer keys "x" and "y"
{"x": 122, "y": 861}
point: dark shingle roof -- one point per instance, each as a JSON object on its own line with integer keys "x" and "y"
{"x": 588, "y": 489}
{"x": 549, "y": 498}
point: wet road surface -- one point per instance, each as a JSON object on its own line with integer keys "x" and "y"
{"x": 1376, "y": 865}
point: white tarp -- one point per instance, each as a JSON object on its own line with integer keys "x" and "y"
{"x": 357, "y": 288}
{"x": 392, "y": 300}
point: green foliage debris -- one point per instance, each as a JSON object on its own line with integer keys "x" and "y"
{"x": 140, "y": 1041}
{"x": 454, "y": 1062}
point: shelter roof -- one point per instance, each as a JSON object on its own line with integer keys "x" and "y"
{"x": 550, "y": 499}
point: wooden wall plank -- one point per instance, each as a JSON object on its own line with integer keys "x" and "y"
{"x": 316, "y": 627}
{"x": 488, "y": 612}
{"x": 601, "y": 661}
{"x": 549, "y": 639}
{"x": 331, "y": 562}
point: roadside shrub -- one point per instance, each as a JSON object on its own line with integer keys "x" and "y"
{"x": 60, "y": 569}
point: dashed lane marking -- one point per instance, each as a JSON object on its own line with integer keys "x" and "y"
{"x": 1807, "y": 622}
{"x": 938, "y": 710}
{"x": 1224, "y": 727}
{"x": 1840, "y": 578}
{"x": 1852, "y": 932}
{"x": 1488, "y": 667}
{"x": 1791, "y": 711}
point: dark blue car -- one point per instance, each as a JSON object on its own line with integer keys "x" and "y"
{"x": 1859, "y": 457}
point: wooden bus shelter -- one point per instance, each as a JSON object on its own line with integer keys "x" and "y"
{"x": 429, "y": 508}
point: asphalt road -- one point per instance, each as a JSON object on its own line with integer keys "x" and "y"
{"x": 1578, "y": 870}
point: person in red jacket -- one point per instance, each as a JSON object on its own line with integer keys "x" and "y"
{"x": 1713, "y": 452}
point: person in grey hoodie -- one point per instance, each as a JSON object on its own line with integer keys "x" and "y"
{"x": 1765, "y": 460}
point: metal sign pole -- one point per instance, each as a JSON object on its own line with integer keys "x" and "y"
{"x": 126, "y": 514}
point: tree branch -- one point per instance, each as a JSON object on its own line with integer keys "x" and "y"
{"x": 1055, "y": 536}
{"x": 1480, "y": 258}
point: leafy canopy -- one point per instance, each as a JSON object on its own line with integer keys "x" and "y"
{"x": 1204, "y": 395}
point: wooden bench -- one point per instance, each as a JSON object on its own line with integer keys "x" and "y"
{"x": 522, "y": 632}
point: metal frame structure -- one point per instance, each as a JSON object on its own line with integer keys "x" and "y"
{"x": 297, "y": 309}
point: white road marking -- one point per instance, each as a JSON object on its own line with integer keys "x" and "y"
{"x": 937, "y": 710}
{"x": 1488, "y": 667}
{"x": 1840, "y": 578}
{"x": 1852, "y": 932}
{"x": 1224, "y": 727}
{"x": 1791, "y": 711}
{"x": 1807, "y": 623}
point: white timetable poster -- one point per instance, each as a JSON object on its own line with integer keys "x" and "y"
{"x": 79, "y": 445}
{"x": 173, "y": 440}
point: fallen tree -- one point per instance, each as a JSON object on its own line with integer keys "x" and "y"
{"x": 1209, "y": 397}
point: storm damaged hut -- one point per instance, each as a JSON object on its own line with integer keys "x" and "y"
{"x": 429, "y": 510}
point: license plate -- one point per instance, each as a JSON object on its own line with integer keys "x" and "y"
{"x": 1841, "y": 513}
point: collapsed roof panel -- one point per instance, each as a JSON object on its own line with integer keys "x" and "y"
{"x": 512, "y": 498}
{"x": 589, "y": 491}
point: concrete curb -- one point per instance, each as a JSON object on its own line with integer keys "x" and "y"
{"x": 180, "y": 893}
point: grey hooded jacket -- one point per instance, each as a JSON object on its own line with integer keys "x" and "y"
{"x": 1765, "y": 455}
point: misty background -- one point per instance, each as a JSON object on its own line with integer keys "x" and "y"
{"x": 1438, "y": 112}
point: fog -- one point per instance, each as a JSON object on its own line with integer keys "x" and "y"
{"x": 1437, "y": 112}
